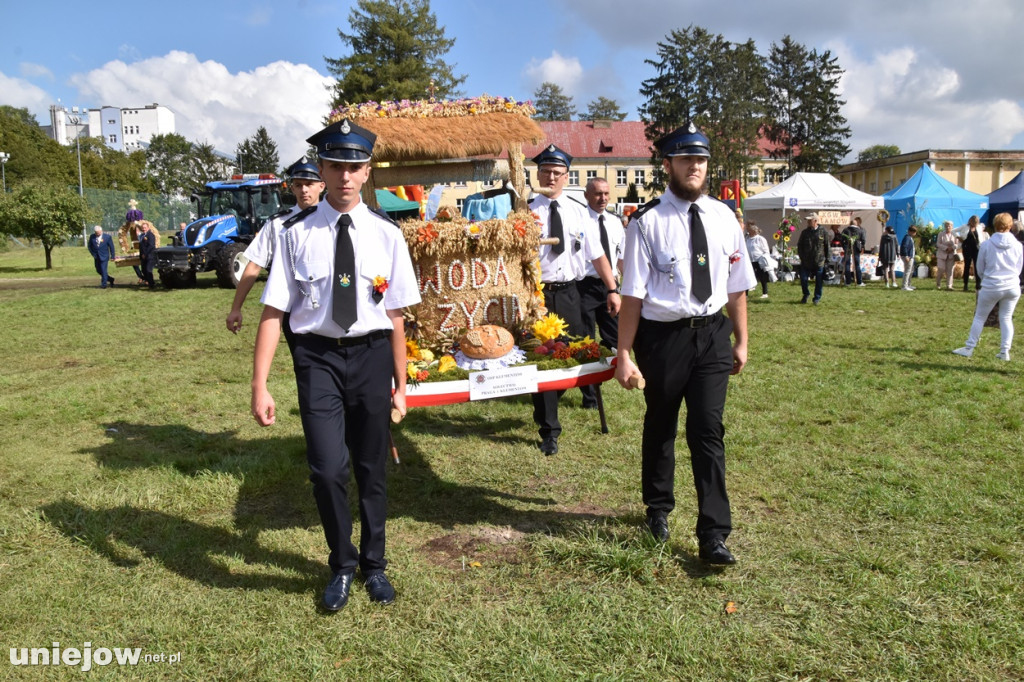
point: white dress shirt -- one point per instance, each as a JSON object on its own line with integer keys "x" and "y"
{"x": 301, "y": 277}
{"x": 581, "y": 245}
{"x": 657, "y": 269}
{"x": 261, "y": 249}
{"x": 616, "y": 236}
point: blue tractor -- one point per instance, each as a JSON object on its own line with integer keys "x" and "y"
{"x": 230, "y": 213}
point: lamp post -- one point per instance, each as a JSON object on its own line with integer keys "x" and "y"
{"x": 78, "y": 151}
{"x": 4, "y": 157}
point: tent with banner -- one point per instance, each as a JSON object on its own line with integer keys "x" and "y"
{"x": 926, "y": 197}
{"x": 1009, "y": 199}
{"x": 806, "y": 192}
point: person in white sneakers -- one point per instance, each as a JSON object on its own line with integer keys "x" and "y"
{"x": 1000, "y": 260}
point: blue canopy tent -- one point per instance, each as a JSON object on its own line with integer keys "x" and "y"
{"x": 928, "y": 198}
{"x": 1009, "y": 199}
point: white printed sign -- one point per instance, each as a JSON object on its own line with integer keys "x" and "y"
{"x": 502, "y": 382}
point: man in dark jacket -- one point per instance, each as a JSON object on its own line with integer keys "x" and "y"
{"x": 852, "y": 249}
{"x": 147, "y": 254}
{"x": 812, "y": 247}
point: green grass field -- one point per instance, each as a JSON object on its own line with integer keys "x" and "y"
{"x": 877, "y": 484}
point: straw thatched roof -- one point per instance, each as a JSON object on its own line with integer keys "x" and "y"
{"x": 455, "y": 137}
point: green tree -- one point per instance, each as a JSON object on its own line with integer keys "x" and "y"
{"x": 206, "y": 165}
{"x": 804, "y": 119}
{"x": 702, "y": 77}
{"x": 33, "y": 154}
{"x": 552, "y": 104}
{"x": 398, "y": 53}
{"x": 257, "y": 154}
{"x": 168, "y": 164}
{"x": 878, "y": 151}
{"x": 47, "y": 211}
{"x": 604, "y": 109}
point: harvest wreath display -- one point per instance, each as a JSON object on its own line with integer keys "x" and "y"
{"x": 482, "y": 302}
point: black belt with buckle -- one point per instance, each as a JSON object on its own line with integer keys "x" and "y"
{"x": 698, "y": 322}
{"x": 555, "y": 286}
{"x": 346, "y": 341}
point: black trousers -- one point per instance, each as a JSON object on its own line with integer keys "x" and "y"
{"x": 345, "y": 404}
{"x": 147, "y": 270}
{"x": 594, "y": 314}
{"x": 562, "y": 299}
{"x": 762, "y": 277}
{"x": 971, "y": 258}
{"x": 680, "y": 365}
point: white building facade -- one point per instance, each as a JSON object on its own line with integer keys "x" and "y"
{"x": 123, "y": 129}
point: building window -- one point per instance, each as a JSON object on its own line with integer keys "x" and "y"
{"x": 459, "y": 203}
{"x": 574, "y": 178}
{"x": 753, "y": 176}
{"x": 528, "y": 182}
{"x": 871, "y": 188}
{"x": 887, "y": 186}
{"x": 620, "y": 178}
{"x": 640, "y": 177}
{"x": 591, "y": 174}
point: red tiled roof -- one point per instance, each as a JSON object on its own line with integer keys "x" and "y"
{"x": 587, "y": 140}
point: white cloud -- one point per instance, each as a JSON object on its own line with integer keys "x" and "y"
{"x": 30, "y": 70}
{"x": 901, "y": 97}
{"x": 565, "y": 72}
{"x": 213, "y": 105}
{"x": 21, "y": 94}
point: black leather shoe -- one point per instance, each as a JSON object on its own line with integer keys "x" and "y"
{"x": 715, "y": 552}
{"x": 657, "y": 523}
{"x": 336, "y": 593}
{"x": 379, "y": 589}
{"x": 111, "y": 280}
{"x": 549, "y": 446}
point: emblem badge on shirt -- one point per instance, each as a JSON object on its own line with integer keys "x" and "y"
{"x": 344, "y": 280}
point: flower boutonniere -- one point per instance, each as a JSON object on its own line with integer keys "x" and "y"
{"x": 380, "y": 285}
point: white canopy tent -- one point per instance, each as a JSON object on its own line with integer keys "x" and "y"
{"x": 806, "y": 192}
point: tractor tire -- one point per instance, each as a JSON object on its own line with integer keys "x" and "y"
{"x": 176, "y": 279}
{"x": 231, "y": 262}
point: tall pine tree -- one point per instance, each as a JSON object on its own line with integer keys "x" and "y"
{"x": 257, "y": 154}
{"x": 702, "y": 77}
{"x": 398, "y": 53}
{"x": 552, "y": 104}
{"x": 604, "y": 109}
{"x": 805, "y": 123}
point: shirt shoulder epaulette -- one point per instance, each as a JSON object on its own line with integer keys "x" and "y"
{"x": 381, "y": 213}
{"x": 636, "y": 215}
{"x": 280, "y": 214}
{"x": 298, "y": 216}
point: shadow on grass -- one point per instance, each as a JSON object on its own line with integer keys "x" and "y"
{"x": 274, "y": 490}
{"x": 192, "y": 550}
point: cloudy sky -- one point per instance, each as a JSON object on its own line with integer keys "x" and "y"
{"x": 941, "y": 74}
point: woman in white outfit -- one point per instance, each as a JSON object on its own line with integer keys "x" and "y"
{"x": 757, "y": 251}
{"x": 1000, "y": 260}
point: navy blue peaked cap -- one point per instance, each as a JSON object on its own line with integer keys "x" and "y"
{"x": 685, "y": 140}
{"x": 344, "y": 141}
{"x": 553, "y": 156}
{"x": 303, "y": 169}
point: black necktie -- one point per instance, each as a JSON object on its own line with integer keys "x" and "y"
{"x": 343, "y": 304}
{"x": 604, "y": 241}
{"x": 556, "y": 229}
{"x": 700, "y": 270}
